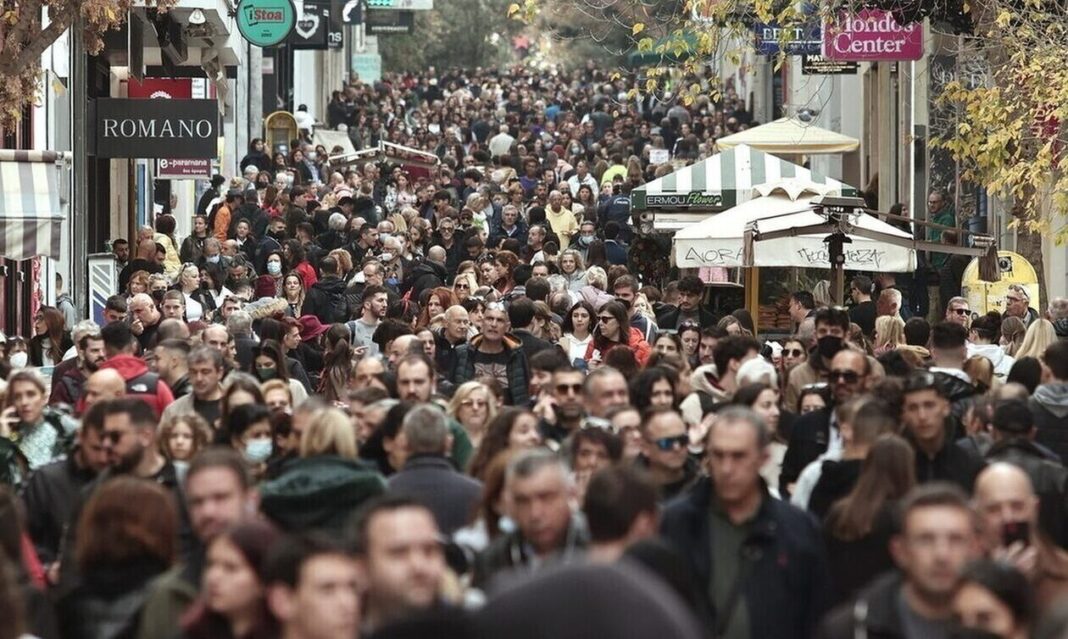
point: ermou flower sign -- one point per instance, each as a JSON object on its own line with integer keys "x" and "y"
{"x": 871, "y": 36}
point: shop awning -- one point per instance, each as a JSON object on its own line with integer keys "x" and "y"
{"x": 720, "y": 240}
{"x": 723, "y": 180}
{"x": 31, "y": 209}
{"x": 790, "y": 135}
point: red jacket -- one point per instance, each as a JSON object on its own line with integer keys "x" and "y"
{"x": 140, "y": 382}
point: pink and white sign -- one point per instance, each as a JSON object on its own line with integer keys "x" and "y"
{"x": 871, "y": 35}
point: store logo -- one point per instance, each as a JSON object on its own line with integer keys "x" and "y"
{"x": 266, "y": 23}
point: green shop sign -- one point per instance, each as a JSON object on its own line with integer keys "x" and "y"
{"x": 266, "y": 23}
{"x": 692, "y": 200}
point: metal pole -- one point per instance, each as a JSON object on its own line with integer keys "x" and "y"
{"x": 78, "y": 95}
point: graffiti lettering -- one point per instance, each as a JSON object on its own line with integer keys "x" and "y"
{"x": 716, "y": 256}
{"x": 854, "y": 258}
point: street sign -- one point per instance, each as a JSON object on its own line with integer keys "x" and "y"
{"x": 310, "y": 31}
{"x": 872, "y": 35}
{"x": 188, "y": 169}
{"x": 352, "y": 12}
{"x": 389, "y": 22}
{"x": 266, "y": 23}
{"x": 401, "y": 5}
{"x": 819, "y": 65}
{"x": 800, "y": 39}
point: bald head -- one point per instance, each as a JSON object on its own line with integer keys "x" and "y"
{"x": 146, "y": 249}
{"x": 1004, "y": 498}
{"x": 436, "y": 254}
{"x": 402, "y": 346}
{"x": 457, "y": 321}
{"x": 103, "y": 385}
{"x": 1002, "y": 477}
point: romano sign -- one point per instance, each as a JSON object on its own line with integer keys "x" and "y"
{"x": 692, "y": 200}
{"x": 156, "y": 128}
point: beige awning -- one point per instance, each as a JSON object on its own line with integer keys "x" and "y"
{"x": 790, "y": 136}
{"x": 32, "y": 207}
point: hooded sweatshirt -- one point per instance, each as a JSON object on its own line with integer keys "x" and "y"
{"x": 1054, "y": 398}
{"x": 140, "y": 382}
{"x": 1002, "y": 362}
{"x": 703, "y": 380}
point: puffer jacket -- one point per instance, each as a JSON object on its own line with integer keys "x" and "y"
{"x": 1049, "y": 405}
{"x": 319, "y": 493}
{"x": 518, "y": 375}
{"x": 1002, "y": 363}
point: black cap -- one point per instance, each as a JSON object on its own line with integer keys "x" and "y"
{"x": 217, "y": 180}
{"x": 1013, "y": 416}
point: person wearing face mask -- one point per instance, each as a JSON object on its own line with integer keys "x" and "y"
{"x": 832, "y": 327}
{"x": 248, "y": 430}
{"x": 587, "y": 234}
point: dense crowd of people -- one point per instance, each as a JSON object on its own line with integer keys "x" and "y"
{"x": 356, "y": 401}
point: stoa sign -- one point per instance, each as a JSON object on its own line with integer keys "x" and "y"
{"x": 156, "y": 128}
{"x": 266, "y": 23}
{"x": 871, "y": 35}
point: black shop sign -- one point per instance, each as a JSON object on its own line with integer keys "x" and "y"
{"x": 156, "y": 128}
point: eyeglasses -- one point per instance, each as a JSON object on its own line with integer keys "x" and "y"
{"x": 847, "y": 376}
{"x": 793, "y": 352}
{"x": 605, "y": 318}
{"x": 960, "y": 311}
{"x": 817, "y": 386}
{"x": 474, "y": 403}
{"x": 463, "y": 287}
{"x": 1013, "y": 300}
{"x": 671, "y": 443}
{"x": 564, "y": 389}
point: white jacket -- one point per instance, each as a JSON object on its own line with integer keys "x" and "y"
{"x": 1002, "y": 362}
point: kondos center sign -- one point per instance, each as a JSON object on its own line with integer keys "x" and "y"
{"x": 871, "y": 35}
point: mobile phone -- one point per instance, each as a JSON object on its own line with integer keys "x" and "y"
{"x": 1016, "y": 531}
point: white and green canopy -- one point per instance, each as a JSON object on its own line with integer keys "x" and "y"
{"x": 721, "y": 181}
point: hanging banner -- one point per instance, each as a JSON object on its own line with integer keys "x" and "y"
{"x": 871, "y": 36}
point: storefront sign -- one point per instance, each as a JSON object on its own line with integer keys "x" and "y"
{"x": 389, "y": 22}
{"x": 266, "y": 23}
{"x": 819, "y": 65}
{"x": 871, "y": 35}
{"x": 156, "y": 128}
{"x": 311, "y": 29}
{"x": 691, "y": 200}
{"x": 171, "y": 169}
{"x": 798, "y": 39}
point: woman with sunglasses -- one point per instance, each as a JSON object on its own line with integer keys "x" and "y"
{"x": 614, "y": 329}
{"x": 474, "y": 407}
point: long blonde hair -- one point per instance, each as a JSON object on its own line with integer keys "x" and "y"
{"x": 889, "y": 329}
{"x": 1040, "y": 334}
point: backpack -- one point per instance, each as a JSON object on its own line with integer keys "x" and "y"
{"x": 337, "y": 309}
{"x": 211, "y": 218}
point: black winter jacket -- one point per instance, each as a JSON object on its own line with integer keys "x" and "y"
{"x": 1049, "y": 405}
{"x": 808, "y": 440}
{"x": 787, "y": 572}
{"x": 518, "y": 376}
{"x": 874, "y": 615}
{"x": 326, "y": 300}
{"x": 51, "y": 494}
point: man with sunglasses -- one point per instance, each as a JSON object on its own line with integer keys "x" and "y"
{"x": 925, "y": 413}
{"x": 817, "y": 432}
{"x": 664, "y": 443}
{"x": 568, "y": 410}
{"x": 958, "y": 311}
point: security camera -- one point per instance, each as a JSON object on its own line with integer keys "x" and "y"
{"x": 807, "y": 115}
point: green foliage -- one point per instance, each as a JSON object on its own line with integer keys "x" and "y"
{"x": 454, "y": 34}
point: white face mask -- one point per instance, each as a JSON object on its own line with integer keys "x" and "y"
{"x": 19, "y": 360}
